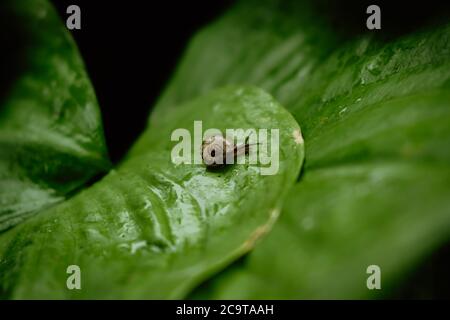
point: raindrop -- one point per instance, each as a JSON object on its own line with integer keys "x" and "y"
{"x": 307, "y": 223}
{"x": 343, "y": 110}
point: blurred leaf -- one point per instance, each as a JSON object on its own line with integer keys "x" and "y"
{"x": 375, "y": 114}
{"x": 337, "y": 222}
{"x": 153, "y": 229}
{"x": 51, "y": 135}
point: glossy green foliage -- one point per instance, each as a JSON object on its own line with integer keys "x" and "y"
{"x": 336, "y": 223}
{"x": 153, "y": 229}
{"x": 375, "y": 115}
{"x": 51, "y": 136}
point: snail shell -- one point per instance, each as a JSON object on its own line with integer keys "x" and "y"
{"x": 215, "y": 149}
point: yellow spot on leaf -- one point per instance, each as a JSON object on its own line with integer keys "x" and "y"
{"x": 297, "y": 136}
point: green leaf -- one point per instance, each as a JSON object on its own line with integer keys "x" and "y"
{"x": 375, "y": 114}
{"x": 51, "y": 135}
{"x": 338, "y": 221}
{"x": 153, "y": 229}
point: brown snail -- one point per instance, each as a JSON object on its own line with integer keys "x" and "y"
{"x": 218, "y": 151}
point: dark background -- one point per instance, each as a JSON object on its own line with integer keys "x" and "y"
{"x": 130, "y": 49}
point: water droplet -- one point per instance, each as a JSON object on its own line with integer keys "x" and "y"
{"x": 308, "y": 223}
{"x": 155, "y": 248}
{"x": 148, "y": 204}
{"x": 135, "y": 246}
{"x": 125, "y": 246}
{"x": 374, "y": 68}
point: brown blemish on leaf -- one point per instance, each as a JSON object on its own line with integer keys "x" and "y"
{"x": 297, "y": 136}
{"x": 261, "y": 231}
